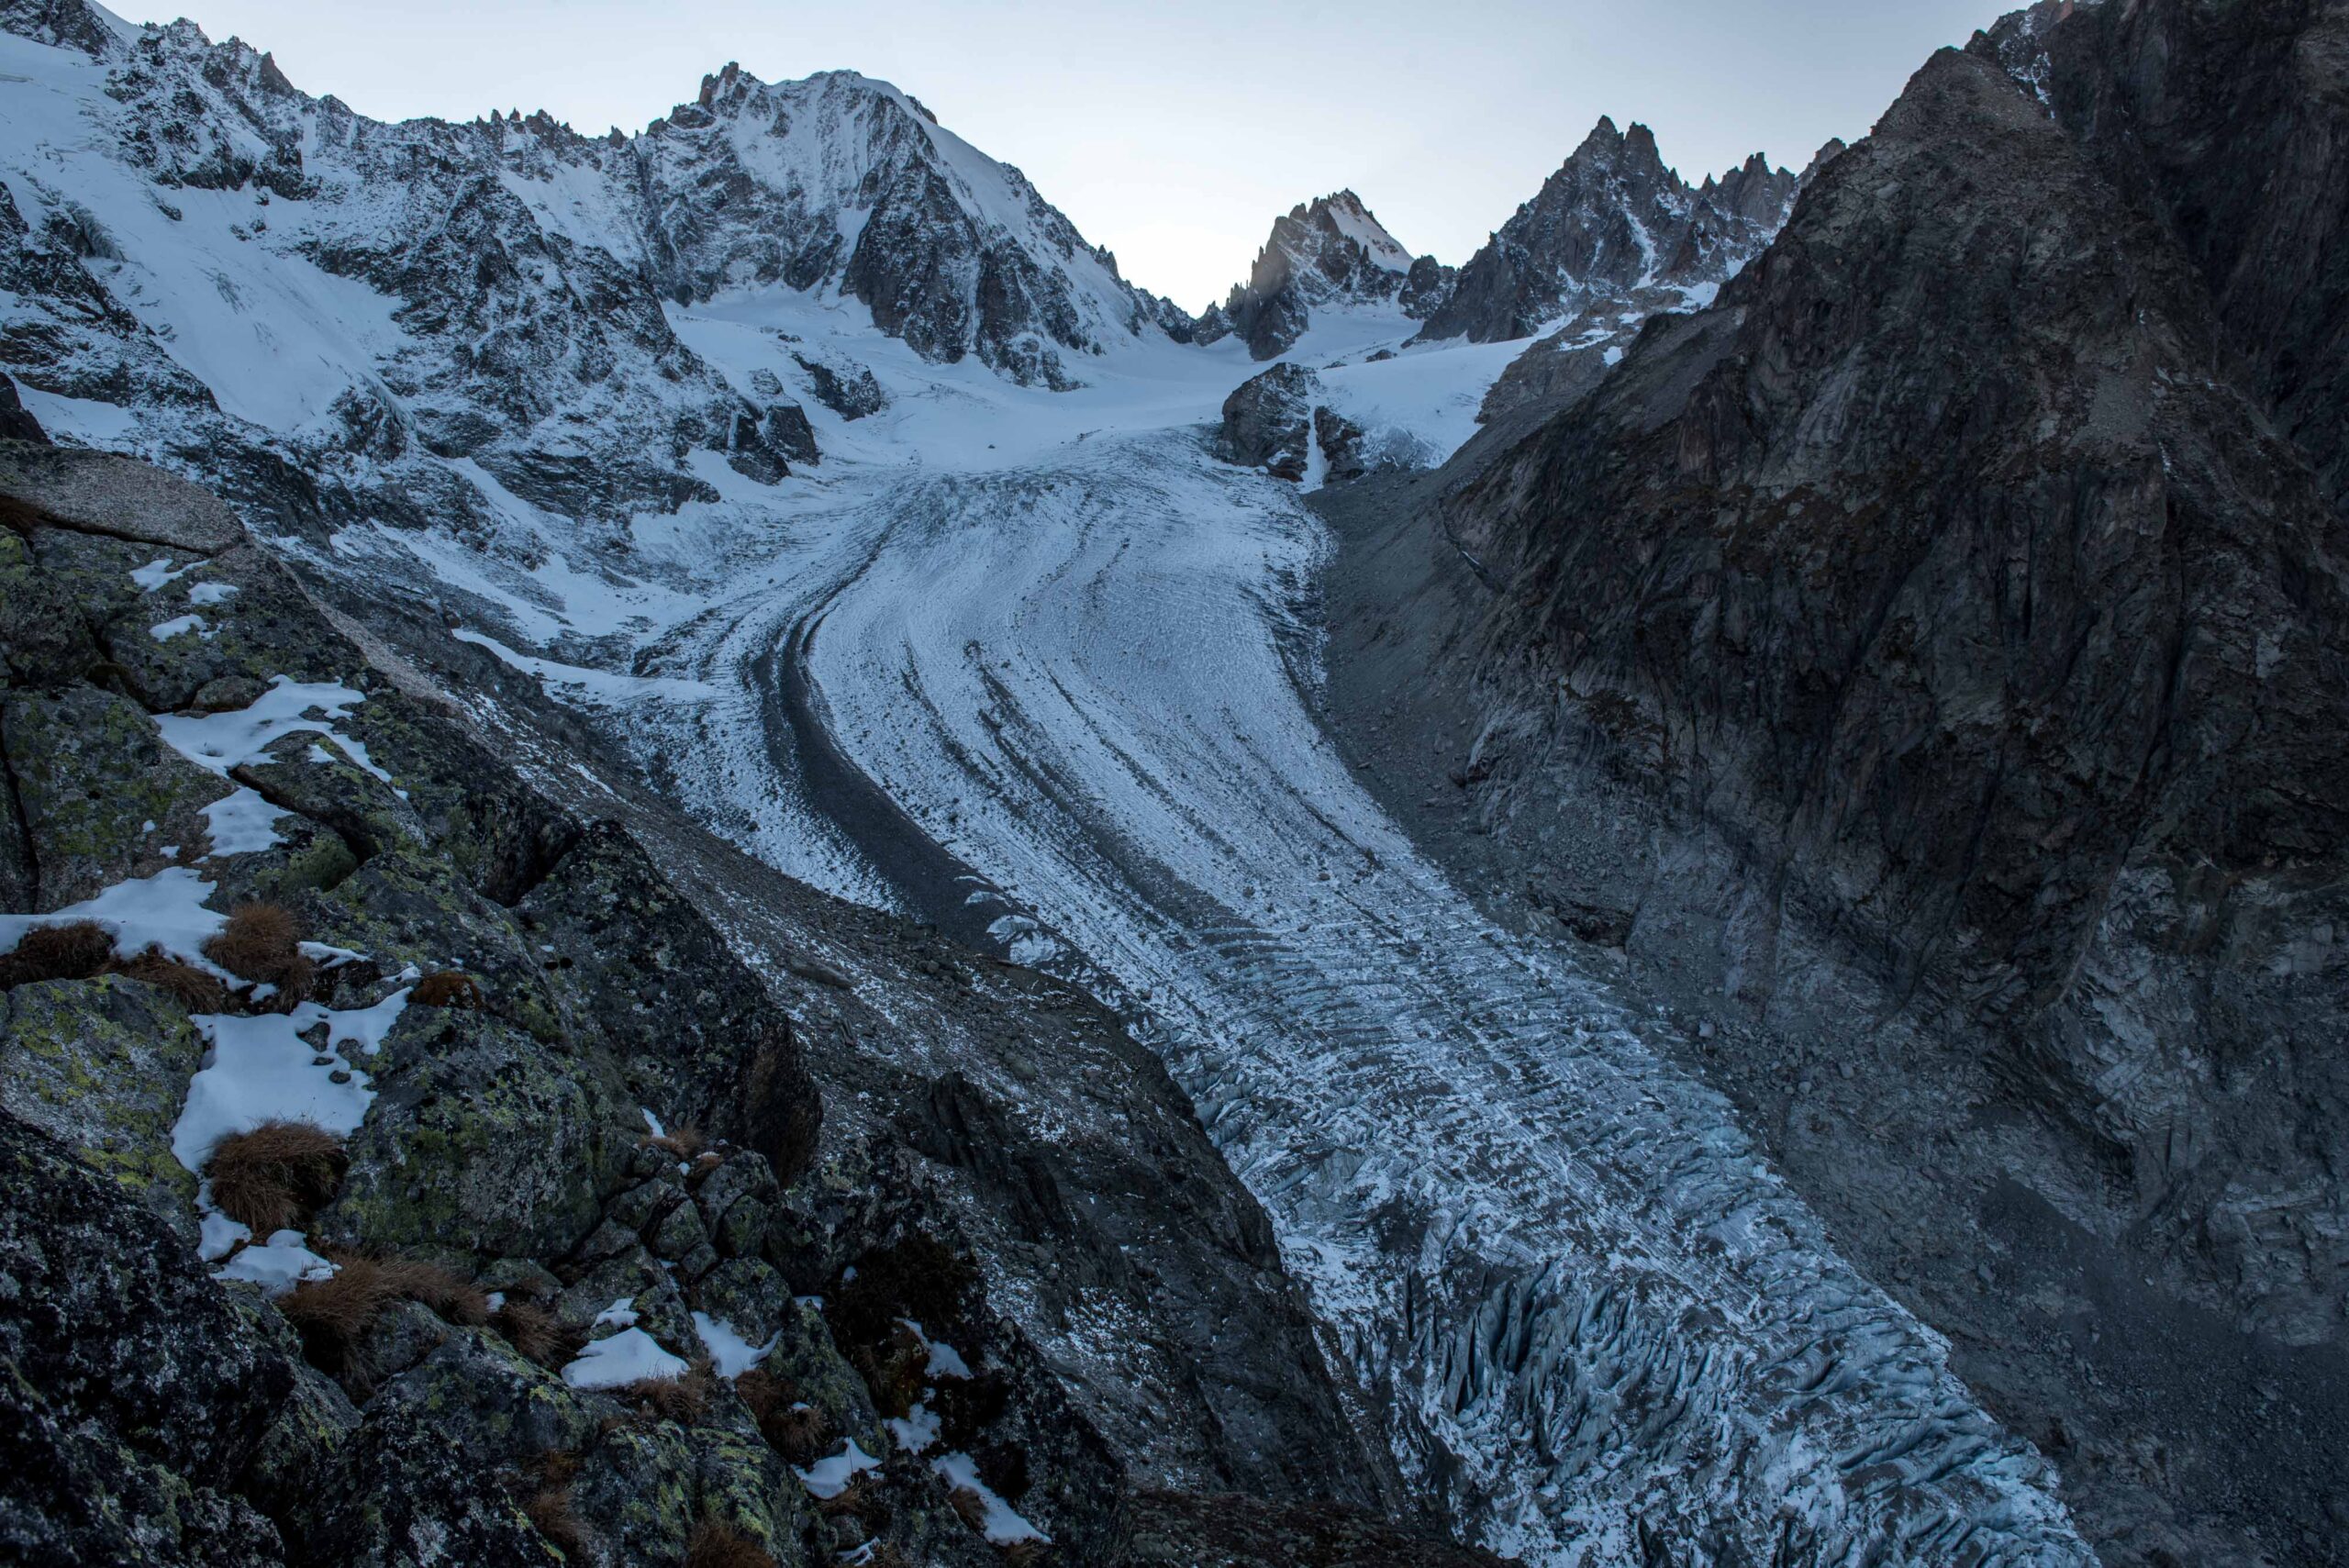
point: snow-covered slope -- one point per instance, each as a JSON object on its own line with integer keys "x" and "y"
{"x": 1329, "y": 254}
{"x": 274, "y": 282}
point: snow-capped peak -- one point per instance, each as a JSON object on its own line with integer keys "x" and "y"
{"x": 1331, "y": 253}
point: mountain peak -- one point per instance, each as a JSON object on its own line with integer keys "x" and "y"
{"x": 1614, "y": 223}
{"x": 1329, "y": 252}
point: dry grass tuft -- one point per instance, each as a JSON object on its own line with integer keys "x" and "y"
{"x": 535, "y": 1333}
{"x": 969, "y": 1507}
{"x": 792, "y": 1428}
{"x": 276, "y": 1174}
{"x": 450, "y": 1295}
{"x": 684, "y": 1141}
{"x": 550, "y": 1511}
{"x": 446, "y": 988}
{"x": 684, "y": 1399}
{"x": 261, "y": 943}
{"x": 75, "y": 950}
{"x": 1026, "y": 1553}
{"x": 332, "y": 1315}
{"x": 717, "y": 1545}
{"x": 191, "y": 987}
{"x": 858, "y": 1500}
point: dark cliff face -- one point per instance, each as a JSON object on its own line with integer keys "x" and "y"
{"x": 1941, "y": 566}
{"x": 1928, "y": 666}
{"x": 2233, "y": 123}
{"x": 1612, "y": 221}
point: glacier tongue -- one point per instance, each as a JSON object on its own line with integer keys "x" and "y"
{"x": 1572, "y": 1294}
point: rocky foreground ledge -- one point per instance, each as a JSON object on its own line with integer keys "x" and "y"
{"x": 397, "y": 1165}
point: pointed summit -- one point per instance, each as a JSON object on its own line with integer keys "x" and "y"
{"x": 1331, "y": 253}
{"x": 1614, "y": 223}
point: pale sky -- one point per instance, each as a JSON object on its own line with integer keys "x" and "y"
{"x": 1176, "y": 133}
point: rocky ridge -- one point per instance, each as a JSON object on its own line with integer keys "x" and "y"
{"x": 1924, "y": 667}
{"x": 1613, "y": 225}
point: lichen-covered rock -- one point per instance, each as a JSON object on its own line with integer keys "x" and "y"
{"x": 132, "y": 1390}
{"x": 101, "y": 795}
{"x": 406, "y": 905}
{"x": 103, "y": 1065}
{"x": 432, "y": 1477}
{"x": 43, "y": 639}
{"x": 655, "y": 981}
{"x": 482, "y": 1139}
{"x": 265, "y": 628}
{"x": 643, "y": 1488}
{"x": 748, "y": 1296}
{"x": 635, "y": 1282}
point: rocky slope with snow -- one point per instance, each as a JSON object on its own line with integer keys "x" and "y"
{"x": 1926, "y": 666}
{"x": 1612, "y": 226}
{"x": 1328, "y": 253}
{"x": 884, "y": 1128}
{"x": 389, "y": 310}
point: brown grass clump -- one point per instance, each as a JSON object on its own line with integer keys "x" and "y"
{"x": 717, "y": 1545}
{"x": 549, "y": 1512}
{"x": 75, "y": 950}
{"x": 536, "y": 1334}
{"x": 446, "y": 988}
{"x": 684, "y": 1399}
{"x": 452, "y": 1296}
{"x": 792, "y": 1428}
{"x": 684, "y": 1141}
{"x": 1025, "y": 1553}
{"x": 261, "y": 943}
{"x": 969, "y": 1507}
{"x": 858, "y": 1500}
{"x": 332, "y": 1315}
{"x": 276, "y": 1174}
{"x": 191, "y": 987}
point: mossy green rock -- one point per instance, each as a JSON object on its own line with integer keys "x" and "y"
{"x": 91, "y": 771}
{"x": 103, "y": 1065}
{"x": 267, "y": 628}
{"x": 133, "y": 1388}
{"x": 643, "y": 1488}
{"x": 482, "y": 1139}
{"x": 432, "y": 1474}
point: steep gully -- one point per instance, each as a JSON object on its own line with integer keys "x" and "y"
{"x": 1065, "y": 702}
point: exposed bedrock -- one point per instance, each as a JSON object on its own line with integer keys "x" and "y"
{"x": 1927, "y": 669}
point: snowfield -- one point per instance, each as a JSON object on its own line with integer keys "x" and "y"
{"x": 1035, "y": 665}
